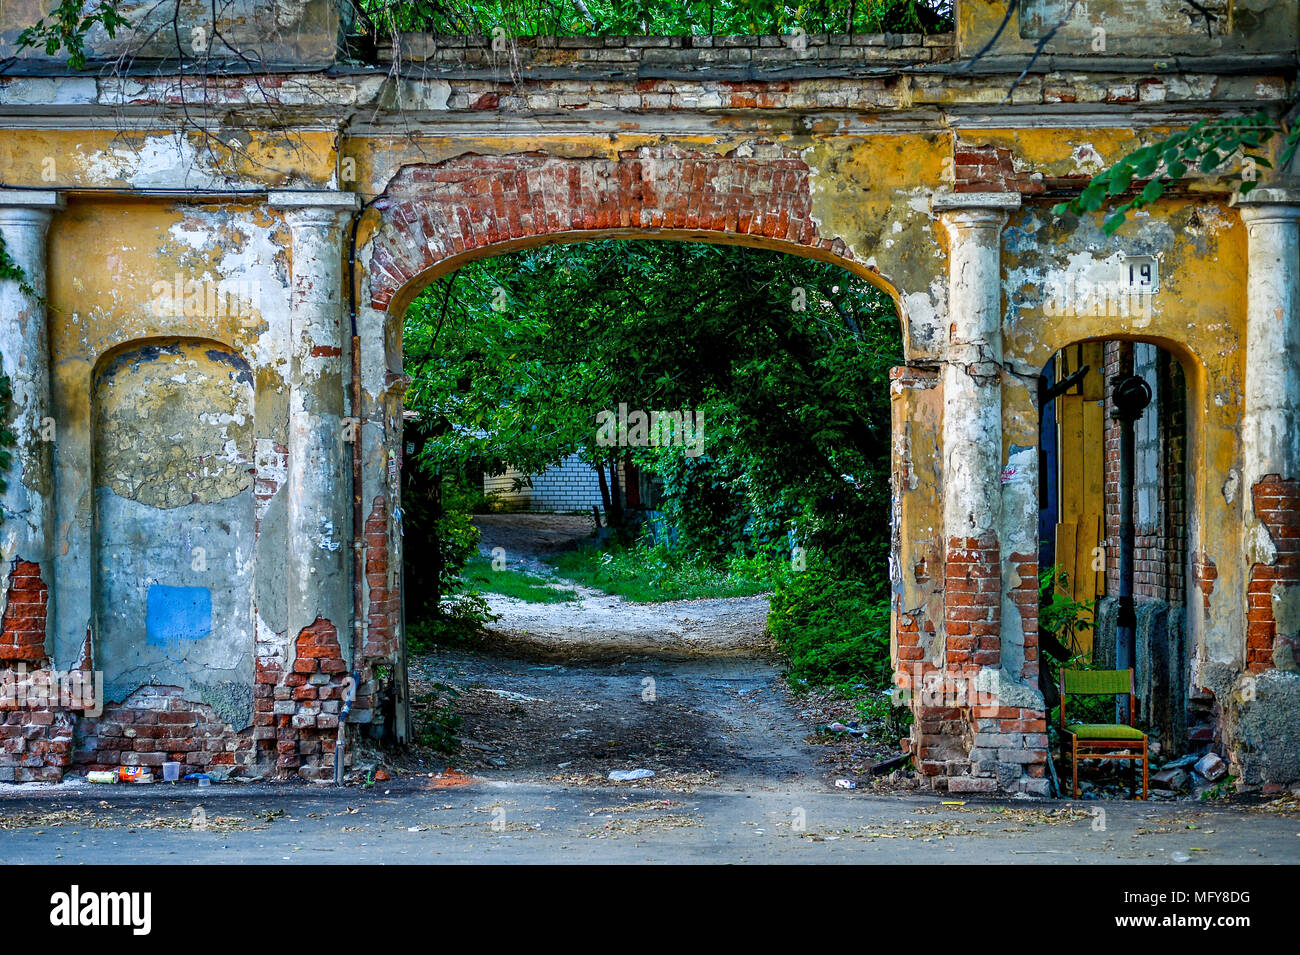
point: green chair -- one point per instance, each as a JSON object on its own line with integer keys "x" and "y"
{"x": 1102, "y": 740}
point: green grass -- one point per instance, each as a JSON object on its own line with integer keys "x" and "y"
{"x": 480, "y": 576}
{"x": 645, "y": 574}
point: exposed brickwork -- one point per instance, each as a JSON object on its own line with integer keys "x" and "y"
{"x": 632, "y": 55}
{"x": 385, "y": 602}
{"x": 1025, "y": 597}
{"x": 472, "y": 202}
{"x": 308, "y": 703}
{"x": 1009, "y": 750}
{"x": 35, "y": 733}
{"x": 990, "y": 169}
{"x": 1160, "y": 548}
{"x": 23, "y": 626}
{"x": 964, "y": 740}
{"x": 973, "y": 602}
{"x": 1276, "y": 504}
{"x": 155, "y": 725}
{"x": 1119, "y": 362}
{"x": 35, "y": 745}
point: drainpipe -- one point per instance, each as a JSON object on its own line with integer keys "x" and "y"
{"x": 358, "y": 512}
{"x": 1130, "y": 396}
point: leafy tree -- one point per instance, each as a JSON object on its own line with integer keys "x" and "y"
{"x": 786, "y": 359}
{"x": 65, "y": 28}
{"x": 656, "y": 17}
{"x": 1236, "y": 145}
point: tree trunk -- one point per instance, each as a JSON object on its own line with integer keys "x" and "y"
{"x": 614, "y": 516}
{"x": 604, "y": 490}
{"x": 633, "y": 483}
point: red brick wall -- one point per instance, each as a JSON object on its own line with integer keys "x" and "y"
{"x": 973, "y": 602}
{"x": 471, "y": 202}
{"x": 1119, "y": 362}
{"x": 1277, "y": 507}
{"x": 156, "y": 725}
{"x": 309, "y": 702}
{"x": 385, "y": 602}
{"x": 35, "y": 739}
{"x": 23, "y": 626}
{"x": 990, "y": 169}
{"x": 1025, "y": 596}
{"x": 1160, "y": 544}
{"x": 34, "y": 744}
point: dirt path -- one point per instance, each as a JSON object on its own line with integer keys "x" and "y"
{"x": 598, "y": 625}
{"x": 569, "y": 692}
{"x": 700, "y": 723}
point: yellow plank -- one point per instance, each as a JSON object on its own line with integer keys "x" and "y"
{"x": 1071, "y": 457}
{"x": 1093, "y": 469}
{"x": 1094, "y": 383}
{"x": 1087, "y": 538}
{"x": 1065, "y": 552}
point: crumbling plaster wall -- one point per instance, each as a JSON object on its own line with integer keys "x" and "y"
{"x": 1131, "y": 27}
{"x": 1197, "y": 314}
{"x": 871, "y": 151}
{"x": 169, "y": 356}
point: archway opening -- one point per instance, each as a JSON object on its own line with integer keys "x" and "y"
{"x": 1116, "y": 486}
{"x": 642, "y": 457}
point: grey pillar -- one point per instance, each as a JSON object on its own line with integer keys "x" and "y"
{"x": 27, "y": 533}
{"x": 319, "y": 562}
{"x": 1270, "y": 430}
{"x": 972, "y": 383}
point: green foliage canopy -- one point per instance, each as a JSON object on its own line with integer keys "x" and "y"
{"x": 787, "y": 360}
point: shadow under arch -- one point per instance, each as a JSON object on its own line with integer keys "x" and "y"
{"x": 112, "y": 358}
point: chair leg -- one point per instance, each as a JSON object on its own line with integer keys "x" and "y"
{"x": 1144, "y": 769}
{"x": 1074, "y": 766}
{"x": 1132, "y": 778}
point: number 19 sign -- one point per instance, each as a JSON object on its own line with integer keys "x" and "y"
{"x": 1140, "y": 273}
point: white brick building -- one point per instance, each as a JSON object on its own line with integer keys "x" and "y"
{"x": 571, "y": 485}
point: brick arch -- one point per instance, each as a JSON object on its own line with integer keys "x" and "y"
{"x": 436, "y": 217}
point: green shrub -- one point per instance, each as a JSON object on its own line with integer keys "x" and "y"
{"x": 833, "y": 630}
{"x": 436, "y": 720}
{"x": 459, "y": 623}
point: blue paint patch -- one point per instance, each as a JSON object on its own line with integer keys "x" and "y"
{"x": 173, "y": 614}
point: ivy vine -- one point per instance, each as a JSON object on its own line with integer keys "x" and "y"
{"x": 1206, "y": 146}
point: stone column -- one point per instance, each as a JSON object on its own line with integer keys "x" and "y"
{"x": 984, "y": 733}
{"x": 1270, "y": 428}
{"x": 27, "y": 534}
{"x": 319, "y": 525}
{"x": 972, "y": 421}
